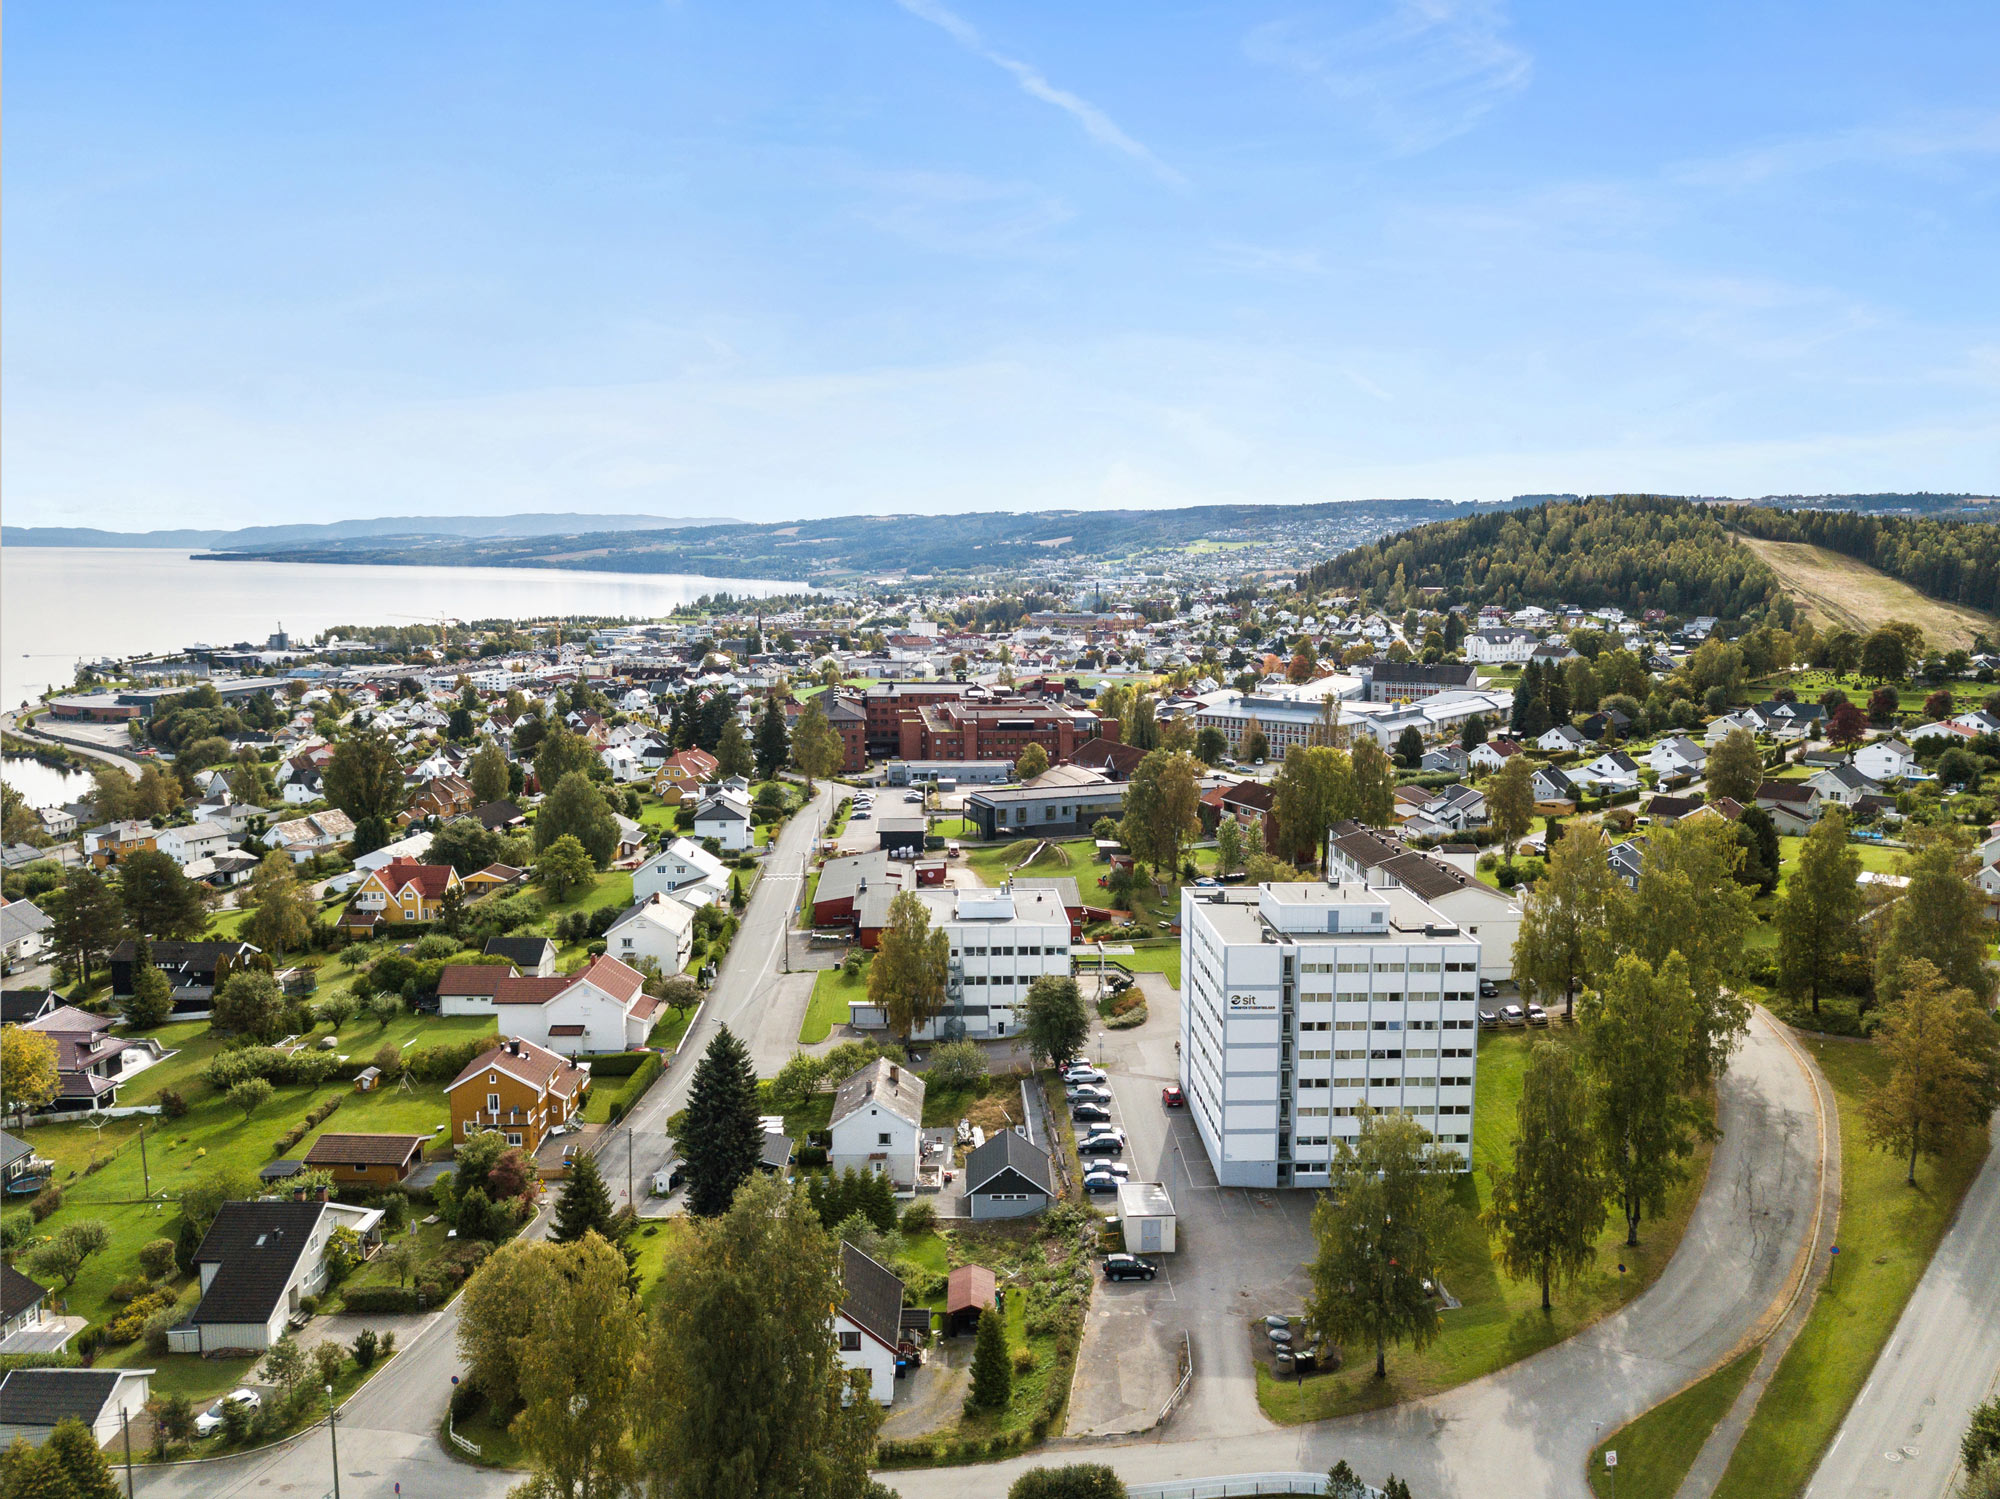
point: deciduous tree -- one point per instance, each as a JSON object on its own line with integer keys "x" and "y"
{"x": 63, "y": 1256}
{"x": 1510, "y": 802}
{"x": 1638, "y": 1035}
{"x": 732, "y": 751}
{"x": 1819, "y": 915}
{"x": 28, "y": 1077}
{"x": 576, "y": 1368}
{"x": 1056, "y": 1021}
{"x": 1314, "y": 789}
{"x": 1734, "y": 767}
{"x": 816, "y": 745}
{"x": 1162, "y": 803}
{"x": 1032, "y": 762}
{"x": 720, "y": 1139}
{"x": 564, "y": 867}
{"x": 250, "y": 1004}
{"x": 363, "y": 778}
{"x": 1563, "y": 919}
{"x": 1549, "y": 1208}
{"x": 577, "y": 809}
{"x": 487, "y": 773}
{"x": 778, "y": 1418}
{"x": 907, "y": 978}
{"x": 1374, "y": 782}
{"x": 1378, "y": 1229}
{"x": 1943, "y": 1051}
{"x": 1689, "y": 903}
{"x": 284, "y": 913}
{"x": 1940, "y": 918}
{"x": 560, "y": 754}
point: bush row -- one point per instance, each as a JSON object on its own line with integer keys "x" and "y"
{"x": 635, "y": 1086}
{"x": 614, "y": 1063}
{"x": 443, "y": 1062}
{"x": 315, "y": 1116}
{"x": 364, "y": 1300}
{"x": 226, "y": 1070}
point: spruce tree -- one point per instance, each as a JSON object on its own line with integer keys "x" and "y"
{"x": 585, "y": 1203}
{"x": 719, "y": 1139}
{"x": 992, "y": 1375}
{"x": 771, "y": 742}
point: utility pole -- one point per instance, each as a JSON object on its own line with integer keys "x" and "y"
{"x": 630, "y": 1201}
{"x": 333, "y": 1436}
{"x": 145, "y": 1174}
{"x": 125, "y": 1420}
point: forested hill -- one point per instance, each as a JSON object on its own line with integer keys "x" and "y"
{"x": 1633, "y": 552}
{"x": 1954, "y": 560}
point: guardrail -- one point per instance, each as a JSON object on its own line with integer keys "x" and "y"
{"x": 1187, "y": 1378}
{"x": 1237, "y": 1484}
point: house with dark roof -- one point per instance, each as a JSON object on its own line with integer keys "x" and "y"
{"x": 26, "y": 1323}
{"x": 1008, "y": 1177}
{"x": 17, "y": 1159}
{"x": 374, "y": 1160}
{"x": 868, "y": 1323}
{"x": 19, "y": 1006}
{"x": 1112, "y": 760}
{"x": 535, "y": 956}
{"x": 499, "y": 817}
{"x": 1627, "y": 861}
{"x": 193, "y": 969}
{"x": 33, "y": 1402}
{"x": 1794, "y": 805}
{"x": 90, "y": 1061}
{"x": 843, "y": 882}
{"x": 257, "y": 1262}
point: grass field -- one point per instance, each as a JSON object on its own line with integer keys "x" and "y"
{"x": 1838, "y": 590}
{"x": 1501, "y": 1320}
{"x": 106, "y": 1177}
{"x": 1888, "y": 1232}
{"x": 1656, "y": 1451}
{"x": 832, "y": 991}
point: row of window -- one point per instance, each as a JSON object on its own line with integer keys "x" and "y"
{"x": 1009, "y": 952}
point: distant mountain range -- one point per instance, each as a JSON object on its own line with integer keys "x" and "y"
{"x": 384, "y": 528}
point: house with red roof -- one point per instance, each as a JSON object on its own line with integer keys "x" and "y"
{"x": 601, "y": 1007}
{"x": 402, "y": 892}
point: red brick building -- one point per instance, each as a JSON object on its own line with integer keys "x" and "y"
{"x": 999, "y": 731}
{"x": 850, "y": 722}
{"x": 889, "y": 703}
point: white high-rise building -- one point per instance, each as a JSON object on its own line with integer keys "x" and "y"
{"x": 1302, "y": 1004}
{"x": 1001, "y": 941}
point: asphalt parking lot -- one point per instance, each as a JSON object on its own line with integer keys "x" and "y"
{"x": 1239, "y": 1255}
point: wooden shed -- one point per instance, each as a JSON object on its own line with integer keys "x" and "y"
{"x": 969, "y": 1291}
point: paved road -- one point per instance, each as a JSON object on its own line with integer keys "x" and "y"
{"x": 1900, "y": 1441}
{"x": 124, "y": 762}
{"x": 388, "y": 1431}
{"x": 1536, "y": 1421}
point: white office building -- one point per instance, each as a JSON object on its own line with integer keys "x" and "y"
{"x": 1303, "y": 1004}
{"x": 1001, "y": 942}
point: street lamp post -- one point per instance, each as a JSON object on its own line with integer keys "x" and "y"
{"x": 332, "y": 1417}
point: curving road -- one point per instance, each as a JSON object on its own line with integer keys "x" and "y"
{"x": 388, "y": 1431}
{"x": 1536, "y": 1421}
{"x": 1900, "y": 1439}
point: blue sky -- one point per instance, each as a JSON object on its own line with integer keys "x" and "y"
{"x": 763, "y": 260}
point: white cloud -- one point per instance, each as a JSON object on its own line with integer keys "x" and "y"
{"x": 1417, "y": 75}
{"x": 1099, "y": 126}
{"x": 1909, "y": 143}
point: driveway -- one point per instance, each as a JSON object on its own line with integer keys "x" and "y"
{"x": 1535, "y": 1421}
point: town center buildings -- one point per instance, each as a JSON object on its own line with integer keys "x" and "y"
{"x": 1303, "y": 1003}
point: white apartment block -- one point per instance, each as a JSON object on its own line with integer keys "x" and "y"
{"x": 1001, "y": 942}
{"x": 1305, "y": 1003}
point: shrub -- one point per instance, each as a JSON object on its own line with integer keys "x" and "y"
{"x": 15, "y": 1232}
{"x": 443, "y": 1062}
{"x": 172, "y": 1104}
{"x": 156, "y": 1258}
{"x": 364, "y": 1301}
{"x": 366, "y": 1346}
{"x": 47, "y": 1201}
{"x": 920, "y": 1217}
{"x": 129, "y": 1289}
{"x": 154, "y": 1334}
{"x": 129, "y": 1324}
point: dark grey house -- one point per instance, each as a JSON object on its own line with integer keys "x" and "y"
{"x": 1008, "y": 1177}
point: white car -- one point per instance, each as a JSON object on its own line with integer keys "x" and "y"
{"x": 210, "y": 1421}
{"x": 1086, "y": 1075}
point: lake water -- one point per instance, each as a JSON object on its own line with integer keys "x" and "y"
{"x": 43, "y": 785}
{"x": 62, "y": 605}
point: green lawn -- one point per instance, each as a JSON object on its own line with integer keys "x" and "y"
{"x": 106, "y": 1176}
{"x": 667, "y": 1033}
{"x": 1888, "y": 1232}
{"x": 832, "y": 992}
{"x": 612, "y": 888}
{"x": 1656, "y": 1451}
{"x": 1501, "y": 1320}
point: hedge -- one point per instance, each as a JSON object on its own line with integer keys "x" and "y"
{"x": 636, "y": 1085}
{"x": 614, "y": 1063}
{"x": 315, "y": 1117}
{"x": 225, "y": 1070}
{"x": 443, "y": 1062}
{"x": 364, "y": 1300}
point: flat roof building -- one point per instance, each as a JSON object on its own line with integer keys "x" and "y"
{"x": 1303, "y": 1004}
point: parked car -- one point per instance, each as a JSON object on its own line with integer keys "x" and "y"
{"x": 1172, "y": 1097}
{"x": 913, "y": 796}
{"x": 1089, "y": 1113}
{"x": 1513, "y": 1015}
{"x": 1089, "y": 1093}
{"x": 1112, "y": 1143}
{"x": 1128, "y": 1267}
{"x": 1097, "y": 1182}
{"x": 1109, "y": 1168}
{"x": 210, "y": 1420}
{"x": 1078, "y": 1064}
{"x": 1537, "y": 1015}
{"x": 1083, "y": 1075}
{"x": 1488, "y": 1020}
{"x": 1489, "y": 989}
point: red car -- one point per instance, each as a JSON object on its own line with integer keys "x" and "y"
{"x": 1173, "y": 1098}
